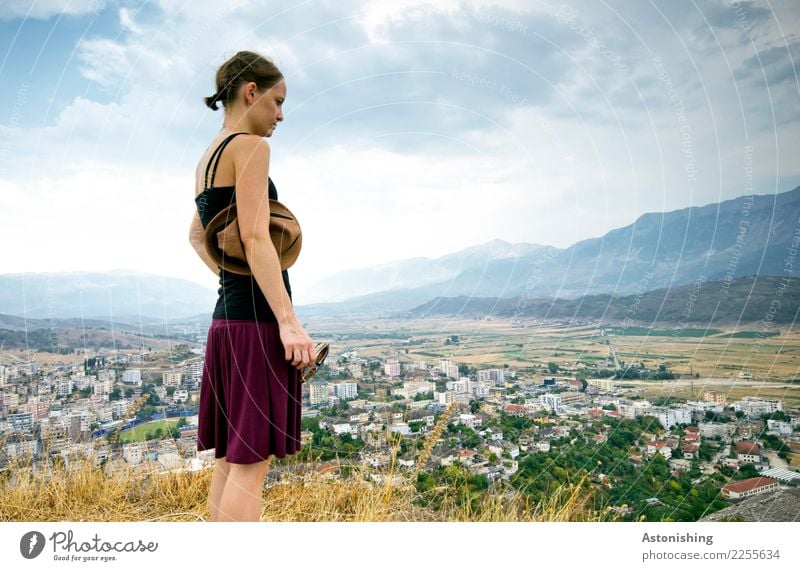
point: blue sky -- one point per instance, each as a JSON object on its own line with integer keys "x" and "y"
{"x": 411, "y": 128}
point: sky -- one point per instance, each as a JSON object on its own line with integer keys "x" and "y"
{"x": 410, "y": 128}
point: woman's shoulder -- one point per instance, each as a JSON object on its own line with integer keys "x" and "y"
{"x": 248, "y": 141}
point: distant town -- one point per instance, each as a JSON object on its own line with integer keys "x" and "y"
{"x": 668, "y": 458}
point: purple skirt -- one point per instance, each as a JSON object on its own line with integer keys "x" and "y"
{"x": 250, "y": 396}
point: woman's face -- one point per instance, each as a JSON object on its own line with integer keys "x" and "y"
{"x": 267, "y": 110}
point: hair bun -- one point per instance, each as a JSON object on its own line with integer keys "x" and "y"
{"x": 211, "y": 101}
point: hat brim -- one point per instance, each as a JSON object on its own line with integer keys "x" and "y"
{"x": 287, "y": 255}
{"x": 224, "y": 261}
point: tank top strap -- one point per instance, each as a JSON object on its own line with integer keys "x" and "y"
{"x": 215, "y": 156}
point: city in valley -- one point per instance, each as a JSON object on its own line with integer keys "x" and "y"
{"x": 664, "y": 424}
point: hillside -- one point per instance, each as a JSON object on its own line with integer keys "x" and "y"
{"x": 748, "y": 299}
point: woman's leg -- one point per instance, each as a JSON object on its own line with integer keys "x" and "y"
{"x": 242, "y": 498}
{"x": 218, "y": 479}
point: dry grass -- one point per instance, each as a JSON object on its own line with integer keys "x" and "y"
{"x": 88, "y": 493}
{"x": 81, "y": 491}
{"x": 85, "y": 492}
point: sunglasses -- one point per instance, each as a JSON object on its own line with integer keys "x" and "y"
{"x": 322, "y": 351}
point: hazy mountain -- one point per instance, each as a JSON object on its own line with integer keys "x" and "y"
{"x": 721, "y": 241}
{"x": 766, "y": 299}
{"x": 416, "y": 273}
{"x": 125, "y": 296}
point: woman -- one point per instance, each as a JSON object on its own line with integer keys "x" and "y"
{"x": 251, "y": 390}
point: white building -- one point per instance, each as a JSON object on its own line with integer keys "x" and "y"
{"x": 449, "y": 397}
{"x": 672, "y": 416}
{"x": 400, "y": 428}
{"x": 318, "y": 393}
{"x": 712, "y": 429}
{"x": 21, "y": 422}
{"x": 81, "y": 419}
{"x": 23, "y": 448}
{"x": 345, "y": 428}
{"x": 132, "y": 377}
{"x": 462, "y": 385}
{"x": 10, "y": 400}
{"x": 602, "y": 384}
{"x": 412, "y": 388}
{"x": 355, "y": 370}
{"x": 702, "y": 407}
{"x": 481, "y": 390}
{"x": 496, "y": 376}
{"x": 779, "y": 427}
{"x": 172, "y": 378}
{"x": 103, "y": 387}
{"x": 391, "y": 368}
{"x": 550, "y": 402}
{"x": 449, "y": 369}
{"x": 193, "y": 374}
{"x": 64, "y": 386}
{"x": 119, "y": 408}
{"x": 134, "y": 453}
{"x": 753, "y": 407}
{"x": 633, "y": 409}
{"x": 345, "y": 390}
{"x": 469, "y": 420}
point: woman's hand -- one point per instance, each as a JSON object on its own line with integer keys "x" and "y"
{"x": 298, "y": 345}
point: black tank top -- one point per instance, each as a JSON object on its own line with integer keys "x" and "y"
{"x": 239, "y": 297}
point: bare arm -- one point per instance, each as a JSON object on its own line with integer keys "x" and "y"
{"x": 251, "y": 166}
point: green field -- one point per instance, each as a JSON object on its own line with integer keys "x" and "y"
{"x": 138, "y": 433}
{"x": 646, "y": 331}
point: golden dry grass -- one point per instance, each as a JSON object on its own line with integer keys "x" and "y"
{"x": 82, "y": 491}
{"x": 88, "y": 493}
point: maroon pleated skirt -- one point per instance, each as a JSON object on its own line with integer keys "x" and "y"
{"x": 250, "y": 395}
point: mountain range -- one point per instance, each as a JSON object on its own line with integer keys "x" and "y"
{"x": 721, "y": 242}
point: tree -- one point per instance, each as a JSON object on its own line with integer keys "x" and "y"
{"x": 777, "y": 415}
{"x": 746, "y": 471}
{"x": 552, "y": 366}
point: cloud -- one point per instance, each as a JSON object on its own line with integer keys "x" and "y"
{"x": 127, "y": 20}
{"x": 44, "y": 9}
{"x": 411, "y": 115}
{"x": 104, "y": 61}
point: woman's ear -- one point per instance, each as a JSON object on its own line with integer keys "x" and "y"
{"x": 250, "y": 92}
